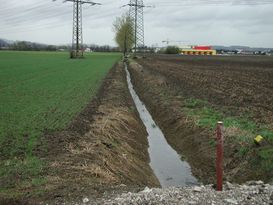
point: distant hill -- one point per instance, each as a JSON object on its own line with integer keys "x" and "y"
{"x": 245, "y": 48}
{"x": 24, "y": 45}
{"x": 4, "y": 43}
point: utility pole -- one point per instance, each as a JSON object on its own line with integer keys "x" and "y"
{"x": 136, "y": 14}
{"x": 77, "y": 38}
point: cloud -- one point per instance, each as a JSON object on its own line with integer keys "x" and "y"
{"x": 194, "y": 21}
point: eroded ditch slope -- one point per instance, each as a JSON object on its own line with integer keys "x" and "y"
{"x": 104, "y": 150}
{"x": 182, "y": 135}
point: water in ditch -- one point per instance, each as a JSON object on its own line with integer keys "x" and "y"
{"x": 167, "y": 165}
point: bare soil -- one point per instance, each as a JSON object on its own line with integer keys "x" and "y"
{"x": 241, "y": 86}
{"x": 104, "y": 150}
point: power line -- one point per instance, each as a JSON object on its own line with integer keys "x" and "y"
{"x": 214, "y": 3}
{"x": 41, "y": 13}
{"x": 38, "y": 10}
{"x": 22, "y": 7}
{"x": 45, "y": 14}
{"x": 52, "y": 24}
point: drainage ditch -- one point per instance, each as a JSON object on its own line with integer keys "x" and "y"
{"x": 167, "y": 165}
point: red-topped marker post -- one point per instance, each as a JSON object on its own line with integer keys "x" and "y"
{"x": 220, "y": 156}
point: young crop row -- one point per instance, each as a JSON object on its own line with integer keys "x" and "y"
{"x": 40, "y": 92}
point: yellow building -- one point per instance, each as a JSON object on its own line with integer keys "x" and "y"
{"x": 198, "y": 50}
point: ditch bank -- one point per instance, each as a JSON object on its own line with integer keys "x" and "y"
{"x": 164, "y": 160}
{"x": 195, "y": 144}
{"x": 104, "y": 151}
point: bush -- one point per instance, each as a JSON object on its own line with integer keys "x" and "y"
{"x": 172, "y": 50}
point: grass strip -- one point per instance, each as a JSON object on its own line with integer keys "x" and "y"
{"x": 41, "y": 91}
{"x": 243, "y": 130}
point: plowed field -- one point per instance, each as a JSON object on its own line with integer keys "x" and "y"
{"x": 243, "y": 85}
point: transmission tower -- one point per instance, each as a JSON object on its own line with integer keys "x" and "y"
{"x": 136, "y": 14}
{"x": 77, "y": 38}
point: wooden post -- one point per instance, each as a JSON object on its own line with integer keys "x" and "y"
{"x": 220, "y": 156}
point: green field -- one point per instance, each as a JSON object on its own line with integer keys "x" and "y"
{"x": 41, "y": 91}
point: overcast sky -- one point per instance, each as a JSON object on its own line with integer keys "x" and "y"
{"x": 202, "y": 22}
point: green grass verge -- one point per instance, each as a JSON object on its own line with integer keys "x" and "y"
{"x": 41, "y": 91}
{"x": 243, "y": 129}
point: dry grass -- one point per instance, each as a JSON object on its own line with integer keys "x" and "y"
{"x": 235, "y": 131}
{"x": 83, "y": 147}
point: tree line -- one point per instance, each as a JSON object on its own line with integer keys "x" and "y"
{"x": 30, "y": 46}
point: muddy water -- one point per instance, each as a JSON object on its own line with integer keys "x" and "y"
{"x": 167, "y": 165}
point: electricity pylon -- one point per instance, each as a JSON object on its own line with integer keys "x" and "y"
{"x": 136, "y": 14}
{"x": 77, "y": 38}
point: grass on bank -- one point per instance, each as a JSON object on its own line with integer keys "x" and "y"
{"x": 41, "y": 91}
{"x": 242, "y": 130}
